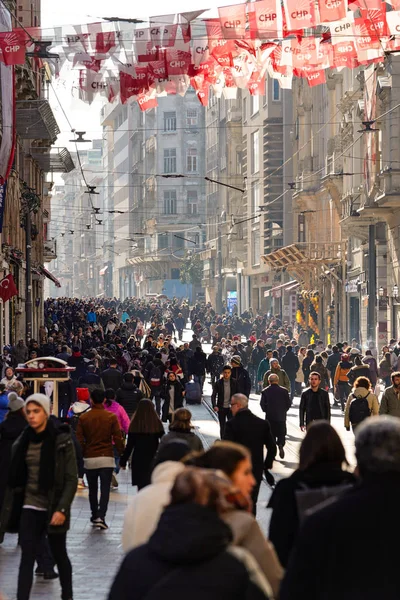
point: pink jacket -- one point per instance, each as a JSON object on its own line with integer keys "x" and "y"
{"x": 122, "y": 416}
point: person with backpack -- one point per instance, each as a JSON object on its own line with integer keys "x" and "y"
{"x": 361, "y": 404}
{"x": 155, "y": 370}
{"x": 341, "y": 379}
{"x": 128, "y": 395}
{"x": 322, "y": 461}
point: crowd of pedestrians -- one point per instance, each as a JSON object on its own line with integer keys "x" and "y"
{"x": 192, "y": 521}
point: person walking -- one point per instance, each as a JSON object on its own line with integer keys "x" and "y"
{"x": 314, "y": 403}
{"x": 172, "y": 394}
{"x": 240, "y": 376}
{"x": 144, "y": 435}
{"x": 255, "y": 434}
{"x": 129, "y": 395}
{"x": 222, "y": 393}
{"x": 333, "y": 361}
{"x": 112, "y": 377}
{"x": 263, "y": 367}
{"x": 300, "y": 375}
{"x": 257, "y": 355}
{"x": 174, "y": 561}
{"x": 329, "y": 561}
{"x": 275, "y": 402}
{"x": 91, "y": 380}
{"x": 197, "y": 366}
{"x": 361, "y": 404}
{"x": 306, "y": 366}
{"x": 390, "y": 401}
{"x": 385, "y": 369}
{"x": 276, "y": 369}
{"x": 322, "y": 462}
{"x": 318, "y": 367}
{"x": 41, "y": 487}
{"x": 181, "y": 428}
{"x": 290, "y": 364}
{"x": 341, "y": 379}
{"x": 96, "y": 432}
{"x": 215, "y": 364}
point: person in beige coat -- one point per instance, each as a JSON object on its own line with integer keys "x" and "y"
{"x": 362, "y": 389}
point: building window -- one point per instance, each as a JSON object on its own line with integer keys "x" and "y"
{"x": 276, "y": 90}
{"x": 170, "y": 121}
{"x": 162, "y": 241}
{"x": 255, "y": 198}
{"x": 191, "y": 160}
{"x": 255, "y": 151}
{"x": 192, "y": 202}
{"x": 170, "y": 160}
{"x": 177, "y": 241}
{"x": 191, "y": 117}
{"x": 254, "y": 104}
{"x": 239, "y": 160}
{"x": 169, "y": 202}
{"x": 245, "y": 109}
{"x": 255, "y": 248}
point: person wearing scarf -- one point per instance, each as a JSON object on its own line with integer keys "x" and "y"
{"x": 41, "y": 487}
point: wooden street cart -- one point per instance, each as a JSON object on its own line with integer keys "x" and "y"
{"x": 46, "y": 368}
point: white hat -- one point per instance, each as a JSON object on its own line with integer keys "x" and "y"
{"x": 15, "y": 402}
{"x": 42, "y": 400}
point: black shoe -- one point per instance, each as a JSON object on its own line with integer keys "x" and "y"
{"x": 101, "y": 524}
{"x": 270, "y": 479}
{"x": 51, "y": 575}
{"x": 281, "y": 452}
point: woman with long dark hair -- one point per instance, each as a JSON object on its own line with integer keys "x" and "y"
{"x": 321, "y": 465}
{"x": 144, "y": 434}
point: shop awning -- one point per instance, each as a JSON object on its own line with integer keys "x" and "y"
{"x": 50, "y": 276}
{"x": 289, "y": 285}
{"x": 103, "y": 270}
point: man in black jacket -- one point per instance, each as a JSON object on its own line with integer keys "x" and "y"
{"x": 314, "y": 403}
{"x": 254, "y": 433}
{"x": 223, "y": 391}
{"x": 332, "y": 556}
{"x": 112, "y": 377}
{"x": 290, "y": 364}
{"x": 275, "y": 402}
{"x": 241, "y": 376}
{"x": 129, "y": 395}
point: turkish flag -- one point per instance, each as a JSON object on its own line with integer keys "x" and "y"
{"x": 12, "y": 46}
{"x": 8, "y": 288}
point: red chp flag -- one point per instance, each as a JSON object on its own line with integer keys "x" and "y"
{"x": 12, "y": 46}
{"x": 299, "y": 14}
{"x": 233, "y": 21}
{"x": 8, "y": 288}
{"x": 268, "y": 19}
{"x": 332, "y": 10}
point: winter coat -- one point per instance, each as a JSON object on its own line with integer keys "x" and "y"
{"x": 96, "y": 432}
{"x": 290, "y": 364}
{"x": 215, "y": 364}
{"x": 257, "y": 356}
{"x": 145, "y": 508}
{"x": 284, "y": 380}
{"x": 3, "y": 406}
{"x": 385, "y": 369}
{"x": 341, "y": 373}
{"x": 143, "y": 447}
{"x": 309, "y": 411}
{"x": 358, "y": 371}
{"x": 217, "y": 396}
{"x": 174, "y": 564}
{"x": 300, "y": 373}
{"x": 197, "y": 364}
{"x": 78, "y": 362}
{"x": 121, "y": 414}
{"x": 91, "y": 381}
{"x": 129, "y": 396}
{"x": 192, "y": 440}
{"x": 242, "y": 379}
{"x": 178, "y": 398}
{"x": 254, "y": 433}
{"x": 332, "y": 557}
{"x": 275, "y": 402}
{"x": 284, "y": 524}
{"x": 361, "y": 392}
{"x": 263, "y": 367}
{"x": 112, "y": 378}
{"x": 373, "y": 369}
{"x": 60, "y": 495}
{"x": 10, "y": 430}
{"x": 306, "y": 366}
{"x": 390, "y": 402}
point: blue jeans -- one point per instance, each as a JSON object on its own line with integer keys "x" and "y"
{"x": 117, "y": 457}
{"x": 200, "y": 379}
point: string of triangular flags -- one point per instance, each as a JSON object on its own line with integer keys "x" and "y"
{"x": 279, "y": 38}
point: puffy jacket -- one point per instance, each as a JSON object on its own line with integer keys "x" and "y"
{"x": 215, "y": 364}
{"x": 173, "y": 563}
{"x": 284, "y": 380}
{"x": 341, "y": 372}
{"x": 112, "y": 378}
{"x": 358, "y": 371}
{"x": 242, "y": 379}
{"x": 360, "y": 392}
{"x": 121, "y": 414}
{"x": 129, "y": 396}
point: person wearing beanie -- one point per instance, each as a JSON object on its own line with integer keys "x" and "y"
{"x": 240, "y": 376}
{"x": 41, "y": 486}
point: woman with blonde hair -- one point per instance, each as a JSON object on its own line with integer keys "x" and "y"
{"x": 190, "y": 551}
{"x": 181, "y": 428}
{"x": 361, "y": 403}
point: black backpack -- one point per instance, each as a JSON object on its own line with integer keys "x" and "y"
{"x": 155, "y": 376}
{"x": 359, "y": 410}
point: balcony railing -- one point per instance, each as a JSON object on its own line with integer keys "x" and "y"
{"x": 35, "y": 120}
